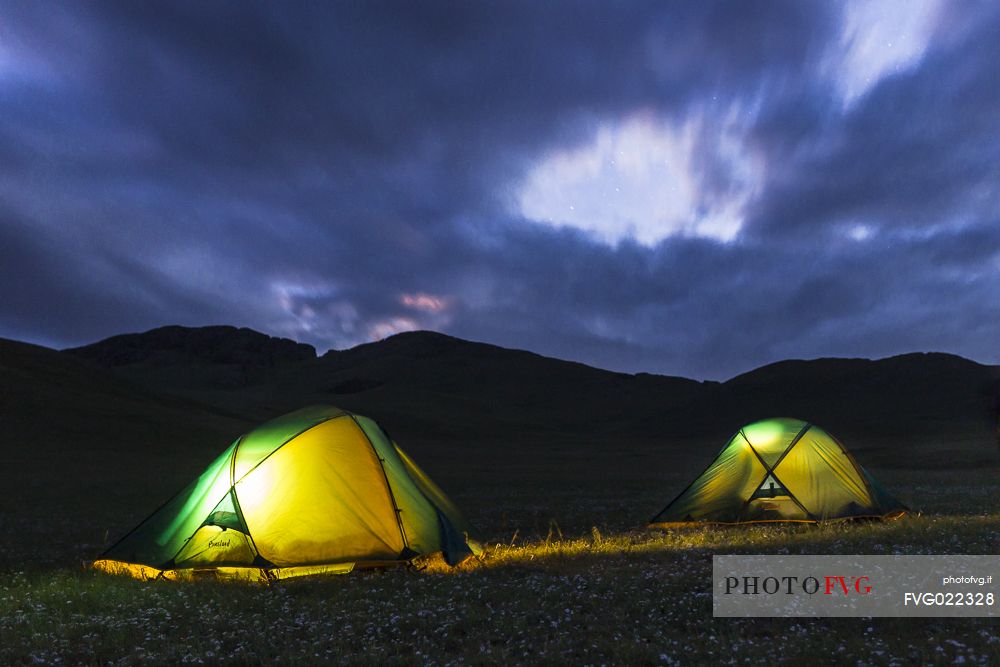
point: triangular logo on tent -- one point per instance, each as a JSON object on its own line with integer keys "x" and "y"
{"x": 770, "y": 488}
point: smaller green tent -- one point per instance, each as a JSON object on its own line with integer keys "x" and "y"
{"x": 780, "y": 470}
{"x": 320, "y": 490}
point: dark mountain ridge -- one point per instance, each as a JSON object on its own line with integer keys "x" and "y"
{"x": 445, "y": 391}
{"x": 174, "y": 345}
{"x": 219, "y": 356}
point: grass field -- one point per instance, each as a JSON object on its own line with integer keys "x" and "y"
{"x": 567, "y": 578}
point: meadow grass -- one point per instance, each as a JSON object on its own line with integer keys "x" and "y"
{"x": 579, "y": 585}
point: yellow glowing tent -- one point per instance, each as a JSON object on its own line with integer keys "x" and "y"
{"x": 318, "y": 490}
{"x": 780, "y": 470}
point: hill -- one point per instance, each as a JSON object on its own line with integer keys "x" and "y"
{"x": 429, "y": 385}
{"x": 444, "y": 393}
{"x": 183, "y": 358}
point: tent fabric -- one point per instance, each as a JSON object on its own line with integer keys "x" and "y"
{"x": 780, "y": 470}
{"x": 318, "y": 490}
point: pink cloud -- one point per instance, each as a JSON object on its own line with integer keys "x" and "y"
{"x": 426, "y": 302}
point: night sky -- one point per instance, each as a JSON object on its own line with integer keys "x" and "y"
{"x": 687, "y": 188}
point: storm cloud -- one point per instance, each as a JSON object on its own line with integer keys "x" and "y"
{"x": 684, "y": 188}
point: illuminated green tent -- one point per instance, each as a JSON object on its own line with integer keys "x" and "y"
{"x": 318, "y": 490}
{"x": 780, "y": 470}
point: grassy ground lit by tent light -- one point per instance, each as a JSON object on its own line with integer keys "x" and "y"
{"x": 565, "y": 578}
